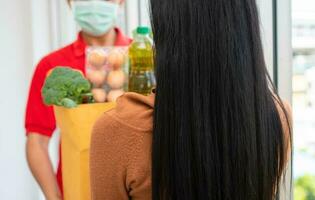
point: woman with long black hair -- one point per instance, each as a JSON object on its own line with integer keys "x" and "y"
{"x": 214, "y": 129}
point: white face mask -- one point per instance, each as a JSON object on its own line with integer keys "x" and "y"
{"x": 95, "y": 17}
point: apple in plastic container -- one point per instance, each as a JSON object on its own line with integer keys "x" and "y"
{"x": 97, "y": 58}
{"x": 116, "y": 79}
{"x": 116, "y": 58}
{"x": 99, "y": 95}
{"x": 96, "y": 77}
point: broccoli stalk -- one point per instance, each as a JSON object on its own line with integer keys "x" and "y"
{"x": 66, "y": 87}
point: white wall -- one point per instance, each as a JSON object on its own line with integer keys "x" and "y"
{"x": 16, "y": 182}
{"x": 285, "y": 69}
{"x": 28, "y": 32}
{"x": 266, "y": 18}
{"x": 285, "y": 51}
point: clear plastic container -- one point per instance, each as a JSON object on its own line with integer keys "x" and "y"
{"x": 107, "y": 70}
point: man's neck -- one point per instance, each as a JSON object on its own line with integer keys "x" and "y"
{"x": 107, "y": 39}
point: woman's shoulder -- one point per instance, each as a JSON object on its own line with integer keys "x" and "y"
{"x": 133, "y": 112}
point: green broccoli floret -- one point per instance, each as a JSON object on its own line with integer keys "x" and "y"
{"x": 65, "y": 87}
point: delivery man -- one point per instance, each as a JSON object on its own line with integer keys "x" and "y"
{"x": 97, "y": 21}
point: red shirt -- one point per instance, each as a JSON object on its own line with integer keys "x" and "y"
{"x": 39, "y": 117}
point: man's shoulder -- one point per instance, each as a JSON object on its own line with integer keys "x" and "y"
{"x": 59, "y": 54}
{"x": 56, "y": 58}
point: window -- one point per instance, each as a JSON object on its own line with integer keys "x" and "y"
{"x": 303, "y": 41}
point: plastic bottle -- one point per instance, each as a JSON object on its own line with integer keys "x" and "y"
{"x": 141, "y": 73}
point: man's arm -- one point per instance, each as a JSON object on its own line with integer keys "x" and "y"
{"x": 41, "y": 166}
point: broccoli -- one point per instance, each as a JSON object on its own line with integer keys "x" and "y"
{"x": 66, "y": 87}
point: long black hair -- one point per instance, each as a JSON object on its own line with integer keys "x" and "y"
{"x": 217, "y": 130}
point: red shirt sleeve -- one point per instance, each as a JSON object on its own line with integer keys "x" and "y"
{"x": 39, "y": 117}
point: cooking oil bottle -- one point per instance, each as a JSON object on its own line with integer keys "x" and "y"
{"x": 141, "y": 73}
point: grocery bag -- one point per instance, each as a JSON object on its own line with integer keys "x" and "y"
{"x": 76, "y": 125}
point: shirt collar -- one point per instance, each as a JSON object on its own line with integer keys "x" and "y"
{"x": 121, "y": 39}
{"x": 79, "y": 45}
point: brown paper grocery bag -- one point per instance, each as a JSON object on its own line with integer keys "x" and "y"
{"x": 76, "y": 125}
